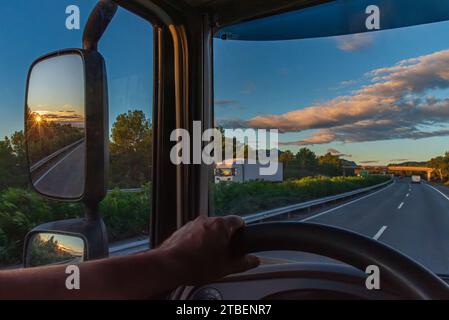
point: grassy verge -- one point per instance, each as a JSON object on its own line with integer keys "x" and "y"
{"x": 257, "y": 196}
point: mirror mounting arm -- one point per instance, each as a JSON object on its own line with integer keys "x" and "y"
{"x": 92, "y": 211}
{"x": 97, "y": 23}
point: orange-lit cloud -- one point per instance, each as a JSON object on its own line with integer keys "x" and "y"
{"x": 335, "y": 152}
{"x": 394, "y": 105}
{"x": 62, "y": 117}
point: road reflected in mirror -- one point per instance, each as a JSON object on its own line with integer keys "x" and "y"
{"x": 51, "y": 249}
{"x": 55, "y": 126}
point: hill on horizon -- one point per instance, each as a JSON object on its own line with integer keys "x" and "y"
{"x": 410, "y": 164}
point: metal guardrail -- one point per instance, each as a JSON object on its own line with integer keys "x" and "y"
{"x": 44, "y": 161}
{"x": 305, "y": 205}
{"x": 130, "y": 190}
{"x": 294, "y": 207}
{"x": 141, "y": 245}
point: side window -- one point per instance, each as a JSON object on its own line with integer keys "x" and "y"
{"x": 40, "y": 28}
{"x": 127, "y": 47}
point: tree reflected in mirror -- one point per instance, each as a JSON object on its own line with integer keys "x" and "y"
{"x": 50, "y": 248}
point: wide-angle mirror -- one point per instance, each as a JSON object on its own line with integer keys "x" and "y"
{"x": 55, "y": 126}
{"x": 45, "y": 249}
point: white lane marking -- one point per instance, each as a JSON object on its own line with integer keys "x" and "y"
{"x": 437, "y": 191}
{"x": 379, "y": 233}
{"x": 407, "y": 194}
{"x": 345, "y": 204}
{"x": 400, "y": 206}
{"x": 55, "y": 165}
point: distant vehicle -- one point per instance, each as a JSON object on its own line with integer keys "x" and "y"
{"x": 239, "y": 171}
{"x": 416, "y": 179}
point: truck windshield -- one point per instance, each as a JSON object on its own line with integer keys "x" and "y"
{"x": 363, "y": 115}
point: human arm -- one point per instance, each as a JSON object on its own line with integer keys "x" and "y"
{"x": 196, "y": 253}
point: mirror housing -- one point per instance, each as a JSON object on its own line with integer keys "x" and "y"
{"x": 91, "y": 233}
{"x": 96, "y": 156}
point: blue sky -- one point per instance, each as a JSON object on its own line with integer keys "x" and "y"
{"x": 56, "y": 90}
{"x": 255, "y": 82}
{"x": 30, "y": 29}
{"x": 271, "y": 84}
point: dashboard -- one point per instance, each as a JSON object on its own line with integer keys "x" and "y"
{"x": 289, "y": 281}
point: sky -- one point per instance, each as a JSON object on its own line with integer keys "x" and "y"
{"x": 30, "y": 29}
{"x": 56, "y": 90}
{"x": 376, "y": 98}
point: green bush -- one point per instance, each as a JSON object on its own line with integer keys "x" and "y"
{"x": 250, "y": 197}
{"x": 125, "y": 214}
{"x": 21, "y": 211}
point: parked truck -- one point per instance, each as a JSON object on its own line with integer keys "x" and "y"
{"x": 242, "y": 171}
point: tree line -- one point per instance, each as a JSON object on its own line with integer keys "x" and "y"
{"x": 306, "y": 163}
{"x": 441, "y": 166}
{"x": 130, "y": 150}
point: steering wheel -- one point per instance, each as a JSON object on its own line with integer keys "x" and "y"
{"x": 408, "y": 278}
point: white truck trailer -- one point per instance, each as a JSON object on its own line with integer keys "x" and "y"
{"x": 239, "y": 171}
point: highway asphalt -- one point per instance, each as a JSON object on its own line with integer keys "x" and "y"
{"x": 412, "y": 218}
{"x": 65, "y": 176}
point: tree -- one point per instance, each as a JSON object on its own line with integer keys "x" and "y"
{"x": 12, "y": 163}
{"x": 19, "y": 150}
{"x": 330, "y": 164}
{"x": 7, "y": 162}
{"x": 306, "y": 158}
{"x": 131, "y": 150}
{"x": 18, "y": 143}
{"x": 236, "y": 146}
{"x": 441, "y": 166}
{"x": 286, "y": 156}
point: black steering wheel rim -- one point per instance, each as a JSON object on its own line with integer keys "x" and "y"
{"x": 409, "y": 278}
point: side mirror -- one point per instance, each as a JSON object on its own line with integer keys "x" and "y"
{"x": 66, "y": 125}
{"x": 66, "y": 137}
{"x": 51, "y": 248}
{"x": 65, "y": 242}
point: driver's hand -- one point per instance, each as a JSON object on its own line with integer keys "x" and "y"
{"x": 202, "y": 248}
